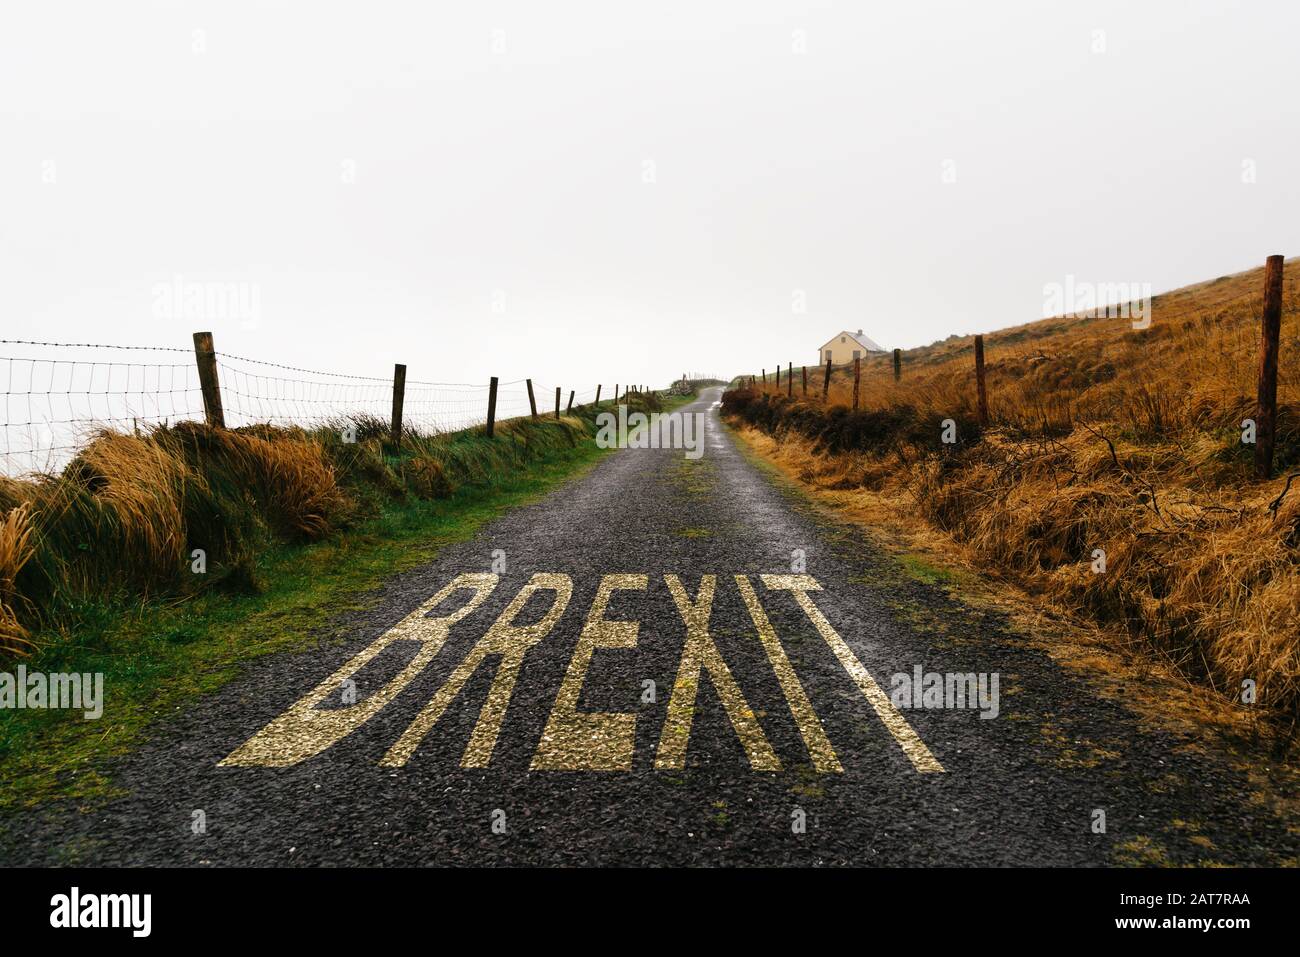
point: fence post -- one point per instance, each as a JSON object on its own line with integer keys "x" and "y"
{"x": 857, "y": 380}
{"x": 557, "y": 402}
{"x": 805, "y": 380}
{"x": 898, "y": 364}
{"x": 532, "y": 403}
{"x": 597, "y": 402}
{"x": 1266, "y": 401}
{"x": 569, "y": 408}
{"x": 492, "y": 407}
{"x": 616, "y": 393}
{"x": 399, "y": 396}
{"x": 826, "y": 384}
{"x": 789, "y": 380}
{"x": 979, "y": 382}
{"x": 205, "y": 356}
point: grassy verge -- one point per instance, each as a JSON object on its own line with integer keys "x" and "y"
{"x": 1113, "y": 478}
{"x": 1207, "y": 589}
{"x": 276, "y": 591}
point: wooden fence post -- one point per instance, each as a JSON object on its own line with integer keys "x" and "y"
{"x": 492, "y": 407}
{"x": 557, "y": 402}
{"x": 399, "y": 396}
{"x": 826, "y": 384}
{"x": 532, "y": 403}
{"x": 597, "y": 402}
{"x": 569, "y": 408}
{"x": 805, "y": 380}
{"x": 857, "y": 380}
{"x": 979, "y": 382}
{"x": 898, "y": 364}
{"x": 616, "y": 393}
{"x": 205, "y": 355}
{"x": 1266, "y": 400}
{"x": 789, "y": 380}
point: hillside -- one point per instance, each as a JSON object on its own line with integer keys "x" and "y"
{"x": 1112, "y": 479}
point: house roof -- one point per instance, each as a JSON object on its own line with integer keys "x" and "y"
{"x": 857, "y": 337}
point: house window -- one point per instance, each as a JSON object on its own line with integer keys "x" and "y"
{"x": 857, "y": 354}
{"x": 828, "y": 355}
{"x": 843, "y": 340}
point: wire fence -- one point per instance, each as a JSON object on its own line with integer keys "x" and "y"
{"x": 58, "y": 395}
{"x": 1223, "y": 351}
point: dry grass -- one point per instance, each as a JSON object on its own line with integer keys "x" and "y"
{"x": 121, "y": 522}
{"x": 15, "y": 551}
{"x": 1101, "y": 437}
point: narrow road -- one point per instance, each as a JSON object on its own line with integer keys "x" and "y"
{"x": 515, "y": 723}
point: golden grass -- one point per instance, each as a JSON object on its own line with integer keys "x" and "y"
{"x": 123, "y": 520}
{"x": 124, "y": 516}
{"x": 1101, "y": 437}
{"x": 15, "y": 550}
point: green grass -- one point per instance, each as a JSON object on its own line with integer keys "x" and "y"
{"x": 158, "y": 655}
{"x": 923, "y": 571}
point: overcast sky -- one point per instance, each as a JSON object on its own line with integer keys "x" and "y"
{"x": 605, "y": 191}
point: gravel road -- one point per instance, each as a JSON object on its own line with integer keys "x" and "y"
{"x": 767, "y": 737}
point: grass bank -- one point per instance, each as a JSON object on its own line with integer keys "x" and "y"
{"x": 1112, "y": 479}
{"x": 97, "y": 570}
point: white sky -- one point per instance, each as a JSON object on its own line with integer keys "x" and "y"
{"x": 521, "y": 171}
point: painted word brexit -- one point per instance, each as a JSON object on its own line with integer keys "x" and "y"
{"x": 575, "y": 740}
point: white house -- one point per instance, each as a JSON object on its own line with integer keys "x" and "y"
{"x": 845, "y": 347}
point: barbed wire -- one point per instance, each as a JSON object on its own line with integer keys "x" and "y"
{"x": 91, "y": 345}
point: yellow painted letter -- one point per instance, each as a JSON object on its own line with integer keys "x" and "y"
{"x": 303, "y": 730}
{"x": 581, "y": 740}
{"x": 700, "y": 653}
{"x": 511, "y": 642}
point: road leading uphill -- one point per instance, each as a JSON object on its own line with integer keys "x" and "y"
{"x": 669, "y": 661}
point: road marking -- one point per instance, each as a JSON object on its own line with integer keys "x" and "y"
{"x": 892, "y": 718}
{"x": 814, "y": 736}
{"x": 591, "y": 741}
{"x": 573, "y": 739}
{"x": 511, "y": 642}
{"x": 304, "y": 731}
{"x": 700, "y": 653}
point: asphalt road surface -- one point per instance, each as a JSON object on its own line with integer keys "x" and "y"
{"x": 667, "y": 661}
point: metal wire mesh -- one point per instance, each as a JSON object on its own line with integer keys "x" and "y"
{"x": 57, "y": 395}
{"x": 53, "y": 402}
